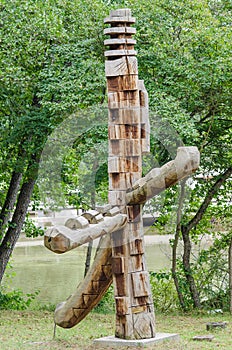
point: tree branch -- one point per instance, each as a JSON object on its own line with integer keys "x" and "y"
{"x": 195, "y": 220}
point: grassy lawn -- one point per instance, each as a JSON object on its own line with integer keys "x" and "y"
{"x": 34, "y": 330}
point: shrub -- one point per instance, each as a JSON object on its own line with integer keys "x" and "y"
{"x": 163, "y": 292}
{"x": 15, "y": 300}
{"x": 106, "y": 304}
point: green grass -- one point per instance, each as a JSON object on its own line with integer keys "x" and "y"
{"x": 34, "y": 330}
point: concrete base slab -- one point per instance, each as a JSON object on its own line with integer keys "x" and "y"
{"x": 113, "y": 341}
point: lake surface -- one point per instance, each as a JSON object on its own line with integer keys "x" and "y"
{"x": 56, "y": 276}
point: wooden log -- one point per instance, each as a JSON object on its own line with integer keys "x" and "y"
{"x": 122, "y": 83}
{"x": 125, "y": 148}
{"x": 103, "y": 209}
{"x": 185, "y": 163}
{"x": 119, "y": 131}
{"x": 124, "y": 19}
{"x": 125, "y": 144}
{"x": 130, "y": 115}
{"x": 203, "y": 338}
{"x": 212, "y": 325}
{"x": 121, "y": 66}
{"x": 119, "y": 30}
{"x": 123, "y": 99}
{"x": 112, "y": 212}
{"x": 120, "y": 41}
{"x": 77, "y": 223}
{"x": 124, "y": 164}
{"x": 93, "y": 216}
{"x": 70, "y": 312}
{"x": 117, "y": 53}
{"x": 61, "y": 239}
{"x": 120, "y": 181}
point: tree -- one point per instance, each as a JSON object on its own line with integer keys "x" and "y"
{"x": 185, "y": 63}
{"x": 51, "y": 64}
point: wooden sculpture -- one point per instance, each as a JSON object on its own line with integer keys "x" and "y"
{"x": 120, "y": 223}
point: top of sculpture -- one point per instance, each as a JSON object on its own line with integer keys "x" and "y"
{"x": 120, "y": 42}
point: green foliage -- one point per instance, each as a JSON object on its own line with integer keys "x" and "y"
{"x": 52, "y": 65}
{"x": 212, "y": 275}
{"x": 31, "y": 230}
{"x": 209, "y": 268}
{"x": 163, "y": 292}
{"x": 106, "y": 304}
{"x": 16, "y": 300}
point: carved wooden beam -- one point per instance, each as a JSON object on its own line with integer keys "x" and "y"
{"x": 158, "y": 179}
{"x": 61, "y": 239}
{"x": 88, "y": 293}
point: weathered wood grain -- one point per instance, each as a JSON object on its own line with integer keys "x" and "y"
{"x": 125, "y": 115}
{"x": 121, "y": 19}
{"x": 126, "y": 131}
{"x": 125, "y": 148}
{"x": 82, "y": 301}
{"x": 121, "y": 66}
{"x": 119, "y": 30}
{"x": 120, "y": 41}
{"x": 127, "y": 139}
{"x": 124, "y": 164}
{"x": 123, "y": 99}
{"x": 61, "y": 239}
{"x": 93, "y": 216}
{"x": 185, "y": 163}
{"x": 77, "y": 223}
{"x": 117, "y": 53}
{"x": 144, "y": 118}
{"x": 122, "y": 83}
{"x": 121, "y": 181}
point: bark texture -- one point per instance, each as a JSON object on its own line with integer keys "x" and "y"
{"x": 16, "y": 224}
{"x": 230, "y": 274}
{"x": 18, "y": 218}
{"x": 175, "y": 245}
{"x": 186, "y": 229}
{"x": 9, "y": 203}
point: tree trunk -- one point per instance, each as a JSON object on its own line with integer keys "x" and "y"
{"x": 19, "y": 215}
{"x": 187, "y": 267}
{"x": 9, "y": 202}
{"x": 175, "y": 245}
{"x": 93, "y": 204}
{"x": 88, "y": 257}
{"x": 230, "y": 275}
{"x": 186, "y": 229}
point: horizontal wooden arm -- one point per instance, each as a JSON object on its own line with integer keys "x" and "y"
{"x": 186, "y": 162}
{"x": 61, "y": 239}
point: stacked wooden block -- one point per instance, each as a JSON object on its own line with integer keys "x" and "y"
{"x": 128, "y": 140}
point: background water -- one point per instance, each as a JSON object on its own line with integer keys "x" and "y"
{"x": 56, "y": 276}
